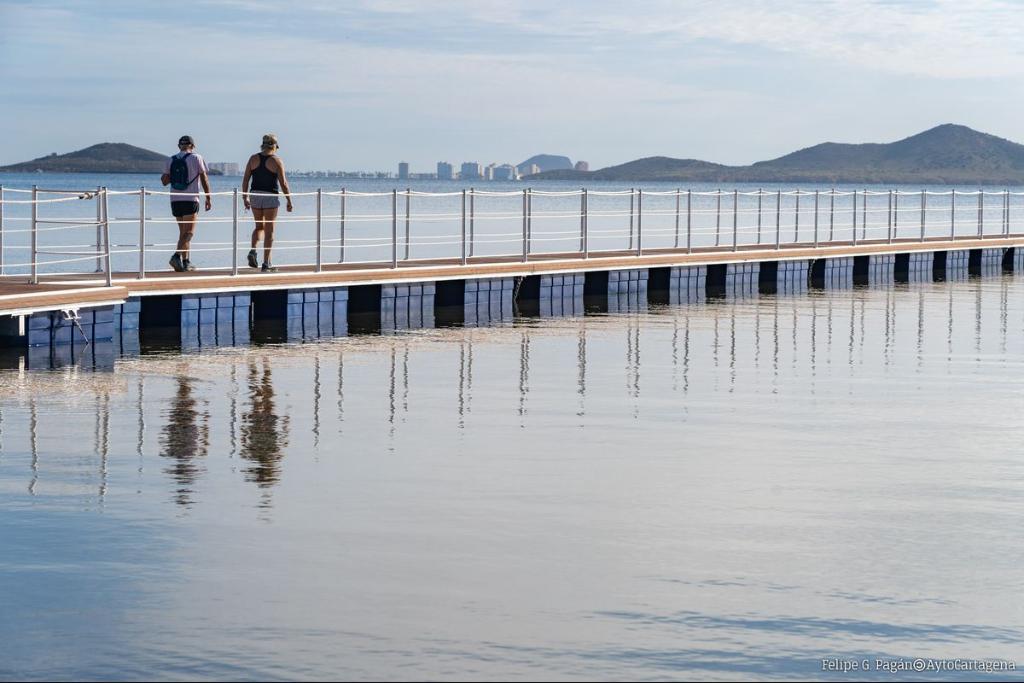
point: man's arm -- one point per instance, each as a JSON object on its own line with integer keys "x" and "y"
{"x": 206, "y": 188}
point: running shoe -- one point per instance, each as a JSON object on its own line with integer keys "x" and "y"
{"x": 188, "y": 264}
{"x": 176, "y": 263}
{"x": 267, "y": 268}
{"x": 253, "y": 262}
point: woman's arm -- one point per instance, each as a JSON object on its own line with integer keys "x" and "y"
{"x": 284, "y": 181}
{"x": 245, "y": 183}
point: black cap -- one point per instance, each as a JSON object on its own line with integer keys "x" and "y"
{"x": 186, "y": 140}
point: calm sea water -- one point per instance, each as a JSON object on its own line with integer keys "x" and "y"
{"x": 728, "y": 490}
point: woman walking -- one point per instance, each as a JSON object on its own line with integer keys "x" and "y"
{"x": 266, "y": 170}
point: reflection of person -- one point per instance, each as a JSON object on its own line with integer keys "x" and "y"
{"x": 266, "y": 170}
{"x": 264, "y": 433}
{"x": 183, "y": 172}
{"x": 185, "y": 437}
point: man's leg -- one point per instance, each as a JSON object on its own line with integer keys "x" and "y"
{"x": 186, "y": 228}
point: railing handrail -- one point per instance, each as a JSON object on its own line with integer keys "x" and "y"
{"x": 651, "y": 214}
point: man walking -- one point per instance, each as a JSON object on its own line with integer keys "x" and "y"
{"x": 184, "y": 172}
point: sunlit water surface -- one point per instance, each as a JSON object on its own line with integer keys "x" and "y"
{"x": 722, "y": 490}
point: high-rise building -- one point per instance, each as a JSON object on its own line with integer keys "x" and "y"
{"x": 582, "y": 166}
{"x": 471, "y": 170}
{"x": 505, "y": 172}
{"x": 403, "y": 170}
{"x": 445, "y": 171}
{"x": 489, "y": 171}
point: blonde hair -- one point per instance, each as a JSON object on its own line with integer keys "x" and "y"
{"x": 269, "y": 142}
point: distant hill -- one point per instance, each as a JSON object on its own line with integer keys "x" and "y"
{"x": 106, "y": 157}
{"x": 547, "y": 162}
{"x": 945, "y": 154}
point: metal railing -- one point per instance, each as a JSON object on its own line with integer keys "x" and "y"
{"x": 590, "y": 223}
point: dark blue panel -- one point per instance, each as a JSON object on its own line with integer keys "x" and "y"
{"x": 189, "y": 302}
{"x": 128, "y": 321}
{"x": 102, "y": 331}
{"x": 207, "y": 316}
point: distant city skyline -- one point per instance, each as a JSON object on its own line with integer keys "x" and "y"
{"x": 728, "y": 82}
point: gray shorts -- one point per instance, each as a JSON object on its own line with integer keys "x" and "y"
{"x": 264, "y": 200}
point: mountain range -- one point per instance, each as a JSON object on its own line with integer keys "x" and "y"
{"x": 946, "y": 154}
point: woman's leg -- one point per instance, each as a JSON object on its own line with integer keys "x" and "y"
{"x": 257, "y": 232}
{"x": 270, "y": 215}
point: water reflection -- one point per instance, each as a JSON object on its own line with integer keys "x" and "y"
{"x": 264, "y": 431}
{"x": 185, "y": 436}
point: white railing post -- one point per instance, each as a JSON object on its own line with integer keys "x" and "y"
{"x": 1006, "y": 212}
{"x": 319, "y": 230}
{"x": 142, "y": 232}
{"x": 735, "y": 219}
{"x": 583, "y": 218}
{"x": 924, "y": 200}
{"x": 689, "y": 222}
{"x": 472, "y": 219}
{"x": 854, "y": 218}
{"x": 760, "y": 193}
{"x": 34, "y": 279}
{"x": 341, "y": 254}
{"x": 778, "y": 219}
{"x": 718, "y": 218}
{"x": 529, "y": 220}
{"x": 675, "y": 244}
{"x": 864, "y": 215}
{"x": 981, "y": 213}
{"x": 632, "y": 193}
{"x": 234, "y": 232}
{"x": 408, "y": 233}
{"x": 888, "y": 228}
{"x": 106, "y": 239}
{"x": 99, "y": 230}
{"x": 526, "y": 255}
{"x": 639, "y": 221}
{"x": 463, "y": 227}
{"x": 394, "y": 228}
{"x": 895, "y": 213}
{"x": 952, "y": 214}
{"x": 832, "y": 215}
{"x": 586, "y": 226}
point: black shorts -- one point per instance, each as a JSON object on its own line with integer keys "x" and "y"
{"x": 179, "y": 209}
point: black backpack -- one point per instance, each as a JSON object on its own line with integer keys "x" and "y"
{"x": 179, "y": 172}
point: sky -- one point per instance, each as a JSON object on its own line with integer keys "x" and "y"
{"x": 364, "y": 84}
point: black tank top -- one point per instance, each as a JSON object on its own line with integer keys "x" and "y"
{"x": 263, "y": 179}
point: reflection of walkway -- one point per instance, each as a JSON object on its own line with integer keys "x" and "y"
{"x": 185, "y": 436}
{"x": 264, "y": 433}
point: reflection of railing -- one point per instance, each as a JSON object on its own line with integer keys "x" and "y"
{"x": 625, "y": 221}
